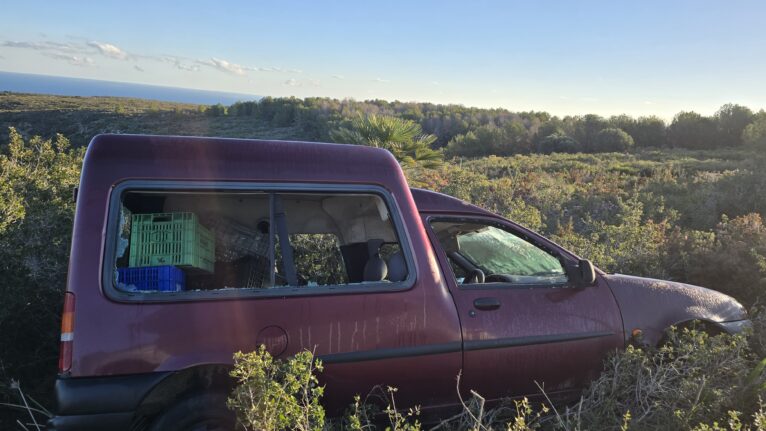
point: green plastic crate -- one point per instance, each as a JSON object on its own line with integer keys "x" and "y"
{"x": 171, "y": 239}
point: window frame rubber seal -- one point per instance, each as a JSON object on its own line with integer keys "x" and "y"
{"x": 111, "y": 291}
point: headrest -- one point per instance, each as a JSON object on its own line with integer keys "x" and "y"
{"x": 397, "y": 267}
{"x": 375, "y": 269}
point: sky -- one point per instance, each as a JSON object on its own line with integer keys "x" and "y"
{"x": 566, "y": 57}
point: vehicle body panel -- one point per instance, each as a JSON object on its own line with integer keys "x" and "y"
{"x": 652, "y": 306}
{"x": 553, "y": 336}
{"x": 117, "y": 338}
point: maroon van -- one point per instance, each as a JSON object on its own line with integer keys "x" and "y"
{"x": 186, "y": 250}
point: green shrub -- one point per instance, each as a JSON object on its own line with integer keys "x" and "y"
{"x": 731, "y": 259}
{"x": 628, "y": 244}
{"x": 694, "y": 381}
{"x": 559, "y": 143}
{"x": 694, "y": 378}
{"x": 216, "y": 110}
{"x": 612, "y": 140}
{"x": 274, "y": 395}
{"x": 755, "y": 133}
{"x": 734, "y": 423}
{"x": 37, "y": 178}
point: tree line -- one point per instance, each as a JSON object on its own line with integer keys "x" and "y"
{"x": 474, "y": 132}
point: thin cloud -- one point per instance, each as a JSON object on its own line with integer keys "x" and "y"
{"x": 81, "y": 51}
{"x": 178, "y": 63}
{"x": 109, "y": 50}
{"x": 339, "y": 77}
{"x": 18, "y": 44}
{"x": 42, "y": 46}
{"x": 381, "y": 80}
{"x": 274, "y": 69}
{"x": 292, "y": 82}
{"x": 187, "y": 68}
{"x": 224, "y": 66}
{"x": 71, "y": 59}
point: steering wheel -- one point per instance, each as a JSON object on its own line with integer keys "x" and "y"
{"x": 498, "y": 278}
{"x": 475, "y": 277}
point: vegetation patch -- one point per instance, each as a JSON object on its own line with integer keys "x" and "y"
{"x": 694, "y": 381}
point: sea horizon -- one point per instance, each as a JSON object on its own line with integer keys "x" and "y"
{"x": 65, "y": 86}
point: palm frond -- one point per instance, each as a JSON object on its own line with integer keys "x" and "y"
{"x": 403, "y": 138}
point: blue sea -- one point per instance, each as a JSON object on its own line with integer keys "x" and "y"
{"x": 45, "y": 84}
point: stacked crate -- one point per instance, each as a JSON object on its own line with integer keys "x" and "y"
{"x": 161, "y": 245}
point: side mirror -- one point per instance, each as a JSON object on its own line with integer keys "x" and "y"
{"x": 587, "y": 272}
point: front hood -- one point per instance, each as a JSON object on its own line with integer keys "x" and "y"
{"x": 654, "y": 305}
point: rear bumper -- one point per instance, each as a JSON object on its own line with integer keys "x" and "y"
{"x": 100, "y": 403}
{"x": 104, "y": 421}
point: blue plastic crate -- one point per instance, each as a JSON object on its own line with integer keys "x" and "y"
{"x": 158, "y": 278}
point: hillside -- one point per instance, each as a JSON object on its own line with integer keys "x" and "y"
{"x": 80, "y": 118}
{"x": 460, "y": 131}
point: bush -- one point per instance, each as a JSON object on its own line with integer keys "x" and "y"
{"x": 612, "y": 140}
{"x": 37, "y": 177}
{"x": 216, "y": 110}
{"x": 732, "y": 120}
{"x": 274, "y": 395}
{"x": 732, "y": 259}
{"x": 511, "y": 138}
{"x": 501, "y": 196}
{"x": 755, "y": 133}
{"x": 629, "y": 243}
{"x": 692, "y": 130}
{"x": 559, "y": 143}
{"x": 693, "y": 381}
{"x": 694, "y": 378}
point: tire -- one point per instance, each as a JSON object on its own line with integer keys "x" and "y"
{"x": 200, "y": 412}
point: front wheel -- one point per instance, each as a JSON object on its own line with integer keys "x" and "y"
{"x": 201, "y": 412}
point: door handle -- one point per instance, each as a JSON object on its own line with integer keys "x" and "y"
{"x": 486, "y": 304}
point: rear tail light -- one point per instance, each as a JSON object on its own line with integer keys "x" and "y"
{"x": 67, "y": 333}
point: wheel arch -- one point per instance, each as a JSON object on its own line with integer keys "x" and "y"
{"x": 180, "y": 385}
{"x": 707, "y": 326}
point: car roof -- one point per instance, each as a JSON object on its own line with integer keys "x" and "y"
{"x": 430, "y": 201}
{"x": 113, "y": 158}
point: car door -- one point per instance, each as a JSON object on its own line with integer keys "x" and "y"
{"x": 527, "y": 322}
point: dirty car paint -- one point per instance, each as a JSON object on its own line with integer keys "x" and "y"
{"x": 654, "y": 305}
